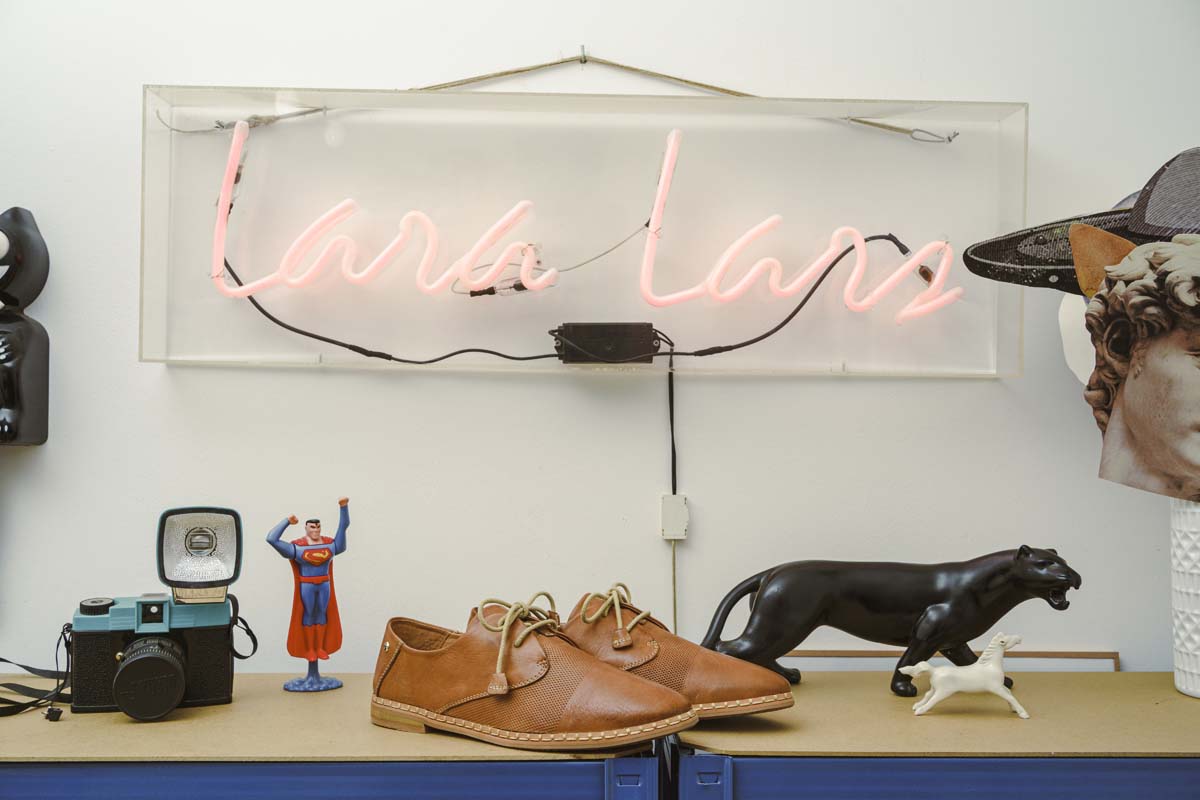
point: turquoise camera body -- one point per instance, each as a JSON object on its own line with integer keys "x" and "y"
{"x": 148, "y": 654}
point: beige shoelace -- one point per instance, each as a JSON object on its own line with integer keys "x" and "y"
{"x": 530, "y": 615}
{"x": 617, "y": 595}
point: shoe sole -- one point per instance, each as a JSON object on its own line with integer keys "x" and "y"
{"x": 403, "y": 717}
{"x": 751, "y": 705}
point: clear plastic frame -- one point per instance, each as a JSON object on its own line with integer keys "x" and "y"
{"x": 590, "y": 168}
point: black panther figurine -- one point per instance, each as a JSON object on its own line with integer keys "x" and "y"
{"x": 925, "y": 608}
{"x": 24, "y": 345}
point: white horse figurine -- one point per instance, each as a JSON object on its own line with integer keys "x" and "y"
{"x": 985, "y": 675}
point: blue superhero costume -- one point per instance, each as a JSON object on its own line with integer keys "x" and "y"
{"x": 315, "y": 630}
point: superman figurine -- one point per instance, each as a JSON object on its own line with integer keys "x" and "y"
{"x": 316, "y": 627}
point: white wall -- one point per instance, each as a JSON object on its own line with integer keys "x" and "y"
{"x": 910, "y": 470}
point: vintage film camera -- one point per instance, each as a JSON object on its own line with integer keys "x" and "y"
{"x": 146, "y": 655}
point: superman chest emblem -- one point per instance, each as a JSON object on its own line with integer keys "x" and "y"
{"x": 316, "y": 557}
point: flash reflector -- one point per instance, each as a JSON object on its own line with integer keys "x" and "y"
{"x": 199, "y": 552}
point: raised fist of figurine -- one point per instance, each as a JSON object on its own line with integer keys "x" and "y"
{"x": 293, "y": 519}
{"x": 342, "y": 501}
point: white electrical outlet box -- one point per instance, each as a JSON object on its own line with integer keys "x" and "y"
{"x": 674, "y": 516}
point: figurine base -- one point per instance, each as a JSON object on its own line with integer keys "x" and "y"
{"x": 312, "y": 682}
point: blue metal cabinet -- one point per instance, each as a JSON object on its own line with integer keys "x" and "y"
{"x": 608, "y": 779}
{"x": 717, "y": 777}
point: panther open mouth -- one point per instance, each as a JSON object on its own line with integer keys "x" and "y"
{"x": 1057, "y": 598}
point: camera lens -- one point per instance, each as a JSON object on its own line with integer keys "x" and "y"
{"x": 150, "y": 679}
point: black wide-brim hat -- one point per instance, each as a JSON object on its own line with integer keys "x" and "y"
{"x": 1168, "y": 205}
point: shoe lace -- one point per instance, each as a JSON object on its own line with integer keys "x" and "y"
{"x": 617, "y": 595}
{"x": 530, "y": 616}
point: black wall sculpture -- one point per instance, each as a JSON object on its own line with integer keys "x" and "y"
{"x": 24, "y": 344}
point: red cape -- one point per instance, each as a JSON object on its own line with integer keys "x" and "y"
{"x": 333, "y": 621}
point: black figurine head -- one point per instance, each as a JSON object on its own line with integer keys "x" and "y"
{"x": 26, "y": 265}
{"x": 1044, "y": 574}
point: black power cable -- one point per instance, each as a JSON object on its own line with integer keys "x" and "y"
{"x": 674, "y": 471}
{"x": 363, "y": 351}
{"x": 707, "y": 351}
{"x": 725, "y": 348}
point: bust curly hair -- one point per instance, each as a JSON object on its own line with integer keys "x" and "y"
{"x": 1152, "y": 291}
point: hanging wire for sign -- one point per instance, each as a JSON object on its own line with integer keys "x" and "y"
{"x": 254, "y": 120}
{"x": 916, "y": 134}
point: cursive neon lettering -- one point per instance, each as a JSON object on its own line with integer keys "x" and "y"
{"x": 464, "y": 270}
{"x": 929, "y": 300}
{"x": 307, "y": 240}
{"x": 290, "y": 274}
{"x": 654, "y": 234}
{"x": 407, "y": 223}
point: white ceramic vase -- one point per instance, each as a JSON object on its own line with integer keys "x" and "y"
{"x": 1185, "y": 594}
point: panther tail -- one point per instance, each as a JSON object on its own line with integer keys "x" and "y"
{"x": 748, "y": 586}
{"x": 920, "y": 668}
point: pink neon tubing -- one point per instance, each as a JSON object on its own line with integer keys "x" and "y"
{"x": 772, "y": 266}
{"x": 528, "y": 278}
{"x": 289, "y": 272}
{"x": 928, "y": 301}
{"x": 655, "y": 226}
{"x": 309, "y": 238}
{"x": 240, "y": 131}
{"x": 295, "y": 253}
{"x": 400, "y": 242}
{"x": 396, "y": 245}
{"x": 465, "y": 266}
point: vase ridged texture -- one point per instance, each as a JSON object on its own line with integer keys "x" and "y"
{"x": 1185, "y": 594}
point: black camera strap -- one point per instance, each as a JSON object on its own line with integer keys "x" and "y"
{"x": 40, "y": 697}
{"x": 236, "y": 621}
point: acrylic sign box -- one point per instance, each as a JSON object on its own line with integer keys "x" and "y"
{"x": 590, "y": 166}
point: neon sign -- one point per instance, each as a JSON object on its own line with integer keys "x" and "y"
{"x": 292, "y": 274}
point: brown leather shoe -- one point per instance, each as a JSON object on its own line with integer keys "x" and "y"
{"x": 609, "y": 627}
{"x": 513, "y": 679}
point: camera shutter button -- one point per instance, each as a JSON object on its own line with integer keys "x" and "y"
{"x": 96, "y": 606}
